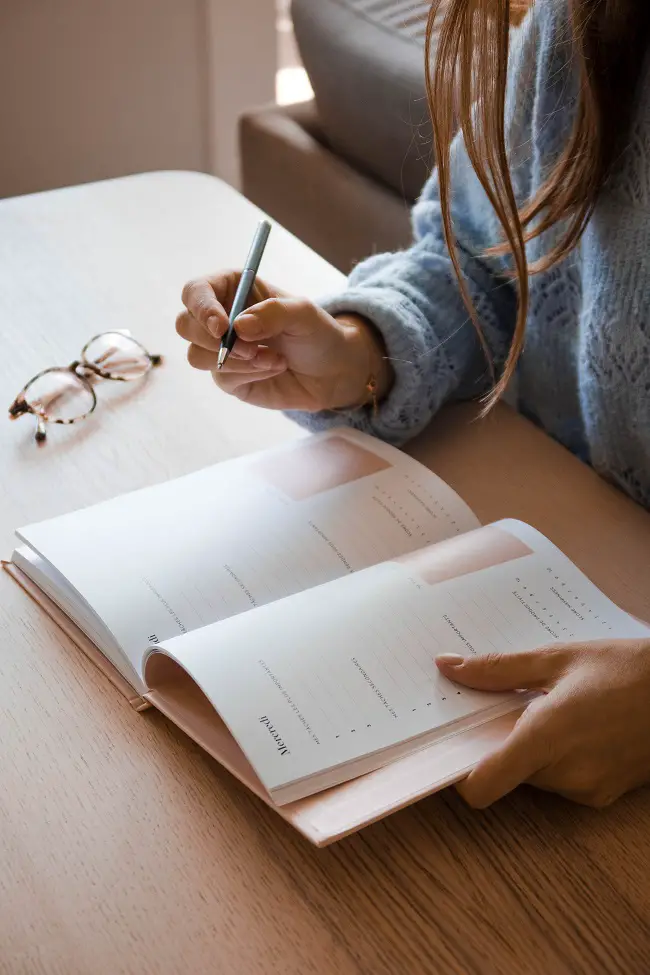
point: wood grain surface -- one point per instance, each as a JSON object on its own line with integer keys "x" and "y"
{"x": 123, "y": 848}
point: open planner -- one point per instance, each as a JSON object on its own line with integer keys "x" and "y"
{"x": 285, "y": 609}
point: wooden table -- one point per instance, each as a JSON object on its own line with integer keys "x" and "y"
{"x": 123, "y": 848}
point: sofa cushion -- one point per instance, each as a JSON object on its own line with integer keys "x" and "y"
{"x": 365, "y": 60}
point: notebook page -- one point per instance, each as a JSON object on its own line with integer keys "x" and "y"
{"x": 168, "y": 559}
{"x": 328, "y": 677}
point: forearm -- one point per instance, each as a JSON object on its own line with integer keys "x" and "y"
{"x": 430, "y": 350}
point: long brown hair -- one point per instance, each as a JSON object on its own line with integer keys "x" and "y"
{"x": 467, "y": 85}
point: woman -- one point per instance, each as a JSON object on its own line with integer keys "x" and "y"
{"x": 536, "y": 222}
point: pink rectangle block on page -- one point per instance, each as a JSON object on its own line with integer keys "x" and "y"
{"x": 315, "y": 466}
{"x": 465, "y": 554}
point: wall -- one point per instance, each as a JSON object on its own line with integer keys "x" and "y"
{"x": 91, "y": 89}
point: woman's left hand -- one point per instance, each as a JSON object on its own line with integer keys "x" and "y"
{"x": 587, "y": 737}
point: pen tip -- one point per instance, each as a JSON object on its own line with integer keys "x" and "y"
{"x": 223, "y": 355}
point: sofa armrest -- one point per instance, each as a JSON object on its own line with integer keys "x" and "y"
{"x": 337, "y": 210}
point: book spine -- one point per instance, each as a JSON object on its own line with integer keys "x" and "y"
{"x": 80, "y": 640}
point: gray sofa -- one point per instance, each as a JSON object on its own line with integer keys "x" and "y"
{"x": 342, "y": 172}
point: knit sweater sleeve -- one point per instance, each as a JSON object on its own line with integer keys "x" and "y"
{"x": 413, "y": 297}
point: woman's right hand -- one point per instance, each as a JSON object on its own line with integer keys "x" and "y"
{"x": 289, "y": 354}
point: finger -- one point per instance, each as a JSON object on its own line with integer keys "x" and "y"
{"x": 191, "y": 330}
{"x": 248, "y": 351}
{"x": 262, "y": 359}
{"x": 526, "y": 751}
{"x": 506, "y": 671}
{"x": 200, "y": 299}
{"x": 200, "y": 358}
{"x": 233, "y": 382}
{"x": 274, "y": 317}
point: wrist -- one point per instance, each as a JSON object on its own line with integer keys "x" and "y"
{"x": 368, "y": 375}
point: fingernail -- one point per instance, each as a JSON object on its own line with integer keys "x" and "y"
{"x": 450, "y": 659}
{"x": 266, "y": 364}
{"x": 213, "y": 325}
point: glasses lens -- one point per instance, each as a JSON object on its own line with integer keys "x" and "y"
{"x": 117, "y": 355}
{"x": 59, "y": 394}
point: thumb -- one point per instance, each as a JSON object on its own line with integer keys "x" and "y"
{"x": 526, "y": 751}
{"x": 534, "y": 669}
{"x": 276, "y": 316}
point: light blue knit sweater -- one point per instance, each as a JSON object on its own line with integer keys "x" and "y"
{"x": 585, "y": 372}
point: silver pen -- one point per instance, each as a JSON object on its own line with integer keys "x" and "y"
{"x": 244, "y": 288}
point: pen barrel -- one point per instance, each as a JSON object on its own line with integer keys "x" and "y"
{"x": 246, "y": 282}
{"x": 257, "y": 247}
{"x": 242, "y": 294}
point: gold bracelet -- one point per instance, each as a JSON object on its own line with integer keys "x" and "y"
{"x": 371, "y": 389}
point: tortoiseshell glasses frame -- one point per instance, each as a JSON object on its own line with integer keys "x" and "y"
{"x": 65, "y": 395}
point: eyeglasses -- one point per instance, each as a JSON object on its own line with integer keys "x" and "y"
{"x": 65, "y": 394}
